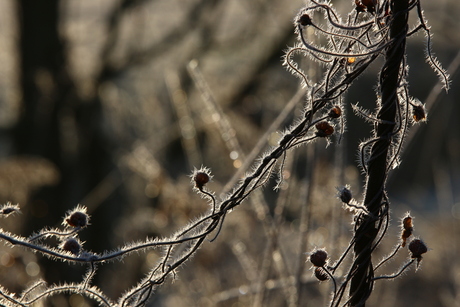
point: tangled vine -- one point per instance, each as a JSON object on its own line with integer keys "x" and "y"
{"x": 345, "y": 48}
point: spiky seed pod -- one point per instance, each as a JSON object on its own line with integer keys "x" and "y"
{"x": 345, "y": 194}
{"x": 324, "y": 129}
{"x": 418, "y": 113}
{"x": 335, "y": 112}
{"x": 404, "y": 235}
{"x": 417, "y": 247}
{"x": 318, "y": 258}
{"x": 321, "y": 274}
{"x": 71, "y": 245}
{"x": 407, "y": 222}
{"x": 8, "y": 209}
{"x": 78, "y": 219}
{"x": 201, "y": 178}
{"x": 407, "y": 229}
{"x": 304, "y": 20}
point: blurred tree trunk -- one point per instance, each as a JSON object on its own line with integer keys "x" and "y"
{"x": 55, "y": 123}
{"x": 43, "y": 79}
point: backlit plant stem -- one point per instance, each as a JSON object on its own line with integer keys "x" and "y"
{"x": 377, "y": 166}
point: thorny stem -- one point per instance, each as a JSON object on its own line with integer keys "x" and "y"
{"x": 363, "y": 272}
{"x": 408, "y": 264}
{"x": 388, "y": 258}
{"x": 383, "y": 32}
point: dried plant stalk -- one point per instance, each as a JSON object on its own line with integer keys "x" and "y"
{"x": 377, "y": 167}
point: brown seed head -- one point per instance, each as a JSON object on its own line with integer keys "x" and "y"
{"x": 407, "y": 222}
{"x": 345, "y": 194}
{"x": 201, "y": 178}
{"x": 7, "y": 211}
{"x": 321, "y": 274}
{"x": 417, "y": 247}
{"x": 324, "y": 129}
{"x": 418, "y": 113}
{"x": 318, "y": 258}
{"x": 72, "y": 245}
{"x": 335, "y": 112}
{"x": 404, "y": 235}
{"x": 8, "y": 208}
{"x": 78, "y": 219}
{"x": 304, "y": 20}
{"x": 407, "y": 229}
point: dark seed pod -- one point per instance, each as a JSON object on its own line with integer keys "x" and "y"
{"x": 418, "y": 113}
{"x": 321, "y": 274}
{"x": 201, "y": 178}
{"x": 335, "y": 112}
{"x": 324, "y": 129}
{"x": 304, "y": 20}
{"x": 345, "y": 194}
{"x": 404, "y": 235}
{"x": 407, "y": 229}
{"x": 78, "y": 219}
{"x": 417, "y": 247}
{"x": 72, "y": 245}
{"x": 407, "y": 222}
{"x": 8, "y": 209}
{"x": 318, "y": 258}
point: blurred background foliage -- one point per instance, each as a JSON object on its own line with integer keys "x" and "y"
{"x": 98, "y": 108}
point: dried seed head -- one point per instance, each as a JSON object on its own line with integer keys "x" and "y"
{"x": 404, "y": 235}
{"x": 201, "y": 177}
{"x": 418, "y": 112}
{"x": 417, "y": 247}
{"x": 304, "y": 20}
{"x": 77, "y": 218}
{"x": 71, "y": 245}
{"x": 407, "y": 229}
{"x": 321, "y": 274}
{"x": 345, "y": 194}
{"x": 318, "y": 258}
{"x": 8, "y": 209}
{"x": 335, "y": 112}
{"x": 324, "y": 129}
{"x": 407, "y": 222}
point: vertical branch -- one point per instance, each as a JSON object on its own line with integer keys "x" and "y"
{"x": 367, "y": 226}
